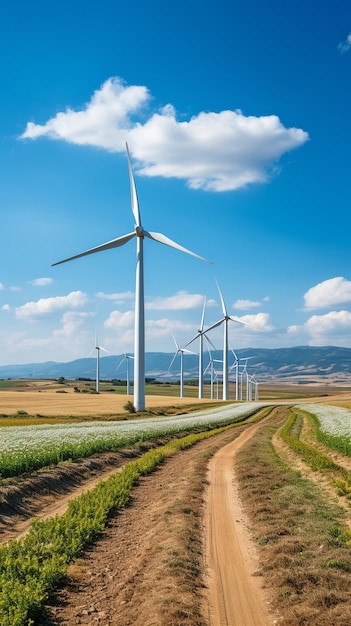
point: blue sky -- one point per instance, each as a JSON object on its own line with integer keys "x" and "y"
{"x": 237, "y": 117}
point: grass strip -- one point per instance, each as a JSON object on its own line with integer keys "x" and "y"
{"x": 337, "y": 475}
{"x": 36, "y": 564}
{"x": 304, "y": 542}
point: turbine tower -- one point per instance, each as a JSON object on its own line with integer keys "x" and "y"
{"x": 139, "y": 319}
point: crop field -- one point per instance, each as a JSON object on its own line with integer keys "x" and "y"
{"x": 309, "y": 434}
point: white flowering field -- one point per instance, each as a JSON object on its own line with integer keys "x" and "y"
{"x": 333, "y": 419}
{"x": 31, "y": 447}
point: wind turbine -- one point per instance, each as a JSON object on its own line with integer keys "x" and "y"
{"x": 201, "y": 334}
{"x": 139, "y": 319}
{"x": 224, "y": 320}
{"x": 180, "y": 351}
{"x": 126, "y": 357}
{"x": 236, "y": 365}
{"x": 212, "y": 369}
{"x": 97, "y": 348}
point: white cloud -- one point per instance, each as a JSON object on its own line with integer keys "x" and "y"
{"x": 258, "y": 323}
{"x": 40, "y": 282}
{"x": 118, "y": 320}
{"x": 119, "y": 298}
{"x": 244, "y": 305}
{"x": 47, "y": 306}
{"x": 328, "y": 293}
{"x": 344, "y": 46}
{"x": 324, "y": 329}
{"x": 1, "y": 286}
{"x": 213, "y": 151}
{"x": 6, "y": 307}
{"x": 72, "y": 322}
{"x": 181, "y": 301}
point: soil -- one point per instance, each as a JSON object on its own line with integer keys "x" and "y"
{"x": 151, "y": 565}
{"x": 179, "y": 553}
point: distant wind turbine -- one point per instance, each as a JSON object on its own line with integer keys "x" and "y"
{"x": 236, "y": 365}
{"x": 211, "y": 367}
{"x": 139, "y": 320}
{"x": 97, "y": 348}
{"x": 181, "y": 352}
{"x": 224, "y": 320}
{"x": 200, "y": 335}
{"x": 127, "y": 358}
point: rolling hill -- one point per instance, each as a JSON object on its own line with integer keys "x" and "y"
{"x": 300, "y": 364}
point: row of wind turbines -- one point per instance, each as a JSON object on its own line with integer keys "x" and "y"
{"x": 139, "y": 319}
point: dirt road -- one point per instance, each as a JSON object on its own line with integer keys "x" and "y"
{"x": 236, "y": 594}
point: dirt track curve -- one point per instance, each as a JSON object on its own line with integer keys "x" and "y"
{"x": 236, "y": 594}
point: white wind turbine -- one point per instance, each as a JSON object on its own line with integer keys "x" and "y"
{"x": 139, "y": 320}
{"x": 211, "y": 367}
{"x": 127, "y": 358}
{"x": 236, "y": 365}
{"x": 97, "y": 348}
{"x": 244, "y": 371}
{"x": 181, "y": 352}
{"x": 224, "y": 320}
{"x": 200, "y": 335}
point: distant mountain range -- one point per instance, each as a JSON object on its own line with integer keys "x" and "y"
{"x": 300, "y": 364}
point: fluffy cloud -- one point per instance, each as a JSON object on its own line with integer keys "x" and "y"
{"x": 328, "y": 293}
{"x": 1, "y": 286}
{"x": 257, "y": 323}
{"x": 213, "y": 151}
{"x": 323, "y": 329}
{"x": 181, "y": 301}
{"x": 47, "y": 306}
{"x": 40, "y": 282}
{"x": 118, "y": 320}
{"x": 72, "y": 322}
{"x": 344, "y": 46}
{"x": 244, "y": 305}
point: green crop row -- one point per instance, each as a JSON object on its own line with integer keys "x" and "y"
{"x": 35, "y": 564}
{"x": 317, "y": 460}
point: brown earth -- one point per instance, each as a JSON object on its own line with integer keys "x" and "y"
{"x": 160, "y": 560}
{"x": 150, "y": 565}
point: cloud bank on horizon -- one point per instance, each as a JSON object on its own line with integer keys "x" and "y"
{"x": 211, "y": 151}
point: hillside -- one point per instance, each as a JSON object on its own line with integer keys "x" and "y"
{"x": 300, "y": 364}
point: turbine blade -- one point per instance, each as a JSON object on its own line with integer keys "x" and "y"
{"x": 121, "y": 361}
{"x": 174, "y": 358}
{"x": 172, "y": 244}
{"x": 114, "y": 243}
{"x": 224, "y": 310}
{"x": 104, "y": 349}
{"x": 187, "y": 351}
{"x": 203, "y": 316}
{"x": 133, "y": 191}
{"x": 175, "y": 341}
{"x": 210, "y": 342}
{"x": 191, "y": 340}
{"x": 215, "y": 325}
{"x": 237, "y": 321}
